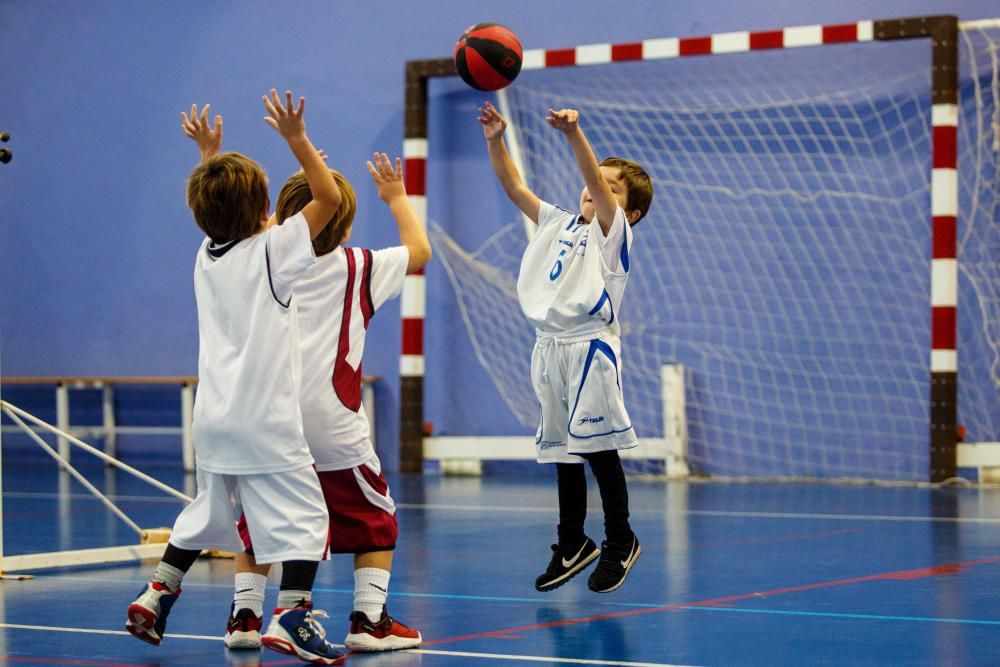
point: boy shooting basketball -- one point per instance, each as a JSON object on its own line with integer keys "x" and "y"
{"x": 570, "y": 287}
{"x": 251, "y": 451}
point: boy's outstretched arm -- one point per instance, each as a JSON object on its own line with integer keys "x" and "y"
{"x": 494, "y": 126}
{"x": 389, "y": 181}
{"x": 287, "y": 120}
{"x": 567, "y": 121}
{"x": 208, "y": 138}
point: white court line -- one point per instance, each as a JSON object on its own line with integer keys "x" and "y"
{"x": 551, "y": 510}
{"x": 535, "y": 658}
{"x": 722, "y": 513}
{"x": 87, "y": 496}
{"x": 90, "y": 631}
{"x": 457, "y": 654}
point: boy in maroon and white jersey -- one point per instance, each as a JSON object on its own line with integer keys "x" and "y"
{"x": 336, "y": 298}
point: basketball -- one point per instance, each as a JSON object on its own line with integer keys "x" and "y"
{"x": 488, "y": 56}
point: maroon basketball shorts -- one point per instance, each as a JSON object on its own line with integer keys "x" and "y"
{"x": 362, "y": 513}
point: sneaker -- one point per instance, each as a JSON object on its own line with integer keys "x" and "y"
{"x": 615, "y": 564}
{"x": 243, "y": 628}
{"x": 566, "y": 564}
{"x": 147, "y": 616}
{"x": 387, "y": 634}
{"x": 296, "y": 632}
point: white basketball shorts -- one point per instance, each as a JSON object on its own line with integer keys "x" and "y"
{"x": 578, "y": 384}
{"x": 285, "y": 514}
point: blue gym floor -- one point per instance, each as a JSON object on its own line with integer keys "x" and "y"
{"x": 730, "y": 574}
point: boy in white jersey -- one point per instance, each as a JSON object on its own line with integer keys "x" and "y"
{"x": 336, "y": 298}
{"x": 570, "y": 288}
{"x": 252, "y": 455}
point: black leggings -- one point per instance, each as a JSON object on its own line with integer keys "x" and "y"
{"x": 607, "y": 469}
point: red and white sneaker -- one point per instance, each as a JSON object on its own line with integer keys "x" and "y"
{"x": 243, "y": 629}
{"x": 387, "y": 634}
{"x": 147, "y": 616}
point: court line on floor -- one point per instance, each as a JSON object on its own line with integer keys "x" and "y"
{"x": 871, "y": 617}
{"x": 97, "y": 631}
{"x": 79, "y": 663}
{"x": 458, "y": 654}
{"x": 553, "y": 510}
{"x": 899, "y": 575}
{"x": 350, "y": 591}
{"x": 533, "y": 658}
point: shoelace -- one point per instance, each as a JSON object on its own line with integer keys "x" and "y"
{"x": 317, "y": 628}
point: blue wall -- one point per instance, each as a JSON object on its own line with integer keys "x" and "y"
{"x": 96, "y": 244}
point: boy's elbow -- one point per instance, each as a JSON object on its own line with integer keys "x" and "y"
{"x": 334, "y": 198}
{"x": 420, "y": 255}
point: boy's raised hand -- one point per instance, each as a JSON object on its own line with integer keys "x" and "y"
{"x": 208, "y": 137}
{"x": 565, "y": 120}
{"x": 388, "y": 179}
{"x": 285, "y": 118}
{"x": 493, "y": 123}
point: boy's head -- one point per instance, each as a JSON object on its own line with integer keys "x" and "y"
{"x": 294, "y": 196}
{"x": 228, "y": 196}
{"x": 631, "y": 186}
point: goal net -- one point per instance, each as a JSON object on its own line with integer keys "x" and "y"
{"x": 979, "y": 232}
{"x": 785, "y": 261}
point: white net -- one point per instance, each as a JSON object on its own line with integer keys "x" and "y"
{"x": 785, "y": 261}
{"x": 979, "y": 234}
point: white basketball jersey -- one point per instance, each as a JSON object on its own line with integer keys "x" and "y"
{"x": 246, "y": 413}
{"x": 572, "y": 277}
{"x": 336, "y": 298}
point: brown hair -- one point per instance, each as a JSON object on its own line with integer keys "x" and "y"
{"x": 638, "y": 182}
{"x": 227, "y": 194}
{"x": 294, "y": 196}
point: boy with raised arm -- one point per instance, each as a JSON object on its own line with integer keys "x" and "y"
{"x": 251, "y": 452}
{"x": 570, "y": 287}
{"x": 337, "y": 298}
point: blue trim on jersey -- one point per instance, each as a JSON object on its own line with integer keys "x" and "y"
{"x": 267, "y": 261}
{"x": 575, "y": 222}
{"x": 624, "y": 253}
{"x": 600, "y": 304}
{"x": 596, "y": 346}
{"x": 217, "y": 250}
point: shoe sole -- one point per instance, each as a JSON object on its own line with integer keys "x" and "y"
{"x": 628, "y": 568}
{"x": 242, "y": 640}
{"x": 559, "y": 581}
{"x": 288, "y": 648}
{"x": 368, "y": 644}
{"x": 140, "y": 624}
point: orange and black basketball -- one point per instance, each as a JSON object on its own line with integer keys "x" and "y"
{"x": 488, "y": 56}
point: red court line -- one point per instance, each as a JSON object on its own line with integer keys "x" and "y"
{"x": 85, "y": 663}
{"x": 917, "y": 573}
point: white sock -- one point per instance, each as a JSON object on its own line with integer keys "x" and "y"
{"x": 168, "y": 575}
{"x": 290, "y": 599}
{"x": 371, "y": 588}
{"x": 250, "y": 589}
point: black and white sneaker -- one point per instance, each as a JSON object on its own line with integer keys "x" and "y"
{"x": 566, "y": 563}
{"x": 615, "y": 564}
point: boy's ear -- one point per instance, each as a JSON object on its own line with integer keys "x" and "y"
{"x": 633, "y": 216}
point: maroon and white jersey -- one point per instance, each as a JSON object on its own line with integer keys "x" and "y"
{"x": 336, "y": 297}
